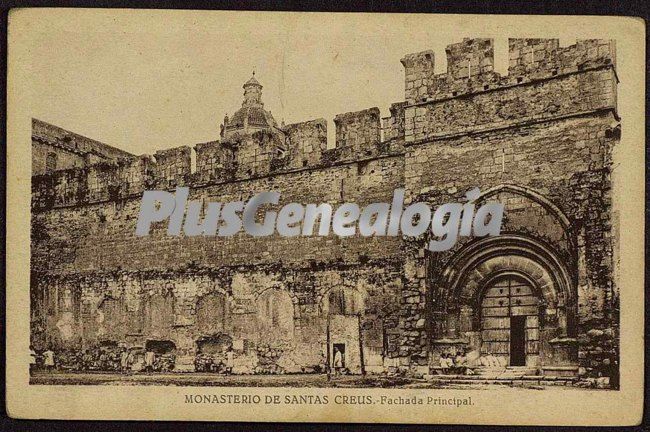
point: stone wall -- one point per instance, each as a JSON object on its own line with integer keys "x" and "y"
{"x": 212, "y": 161}
{"x": 60, "y": 158}
{"x": 82, "y": 310}
{"x": 103, "y": 231}
{"x": 538, "y": 139}
{"x": 69, "y": 149}
{"x": 550, "y": 135}
{"x": 358, "y": 133}
{"x": 96, "y": 247}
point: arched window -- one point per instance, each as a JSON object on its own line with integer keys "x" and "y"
{"x": 50, "y": 162}
{"x": 275, "y": 314}
{"x": 211, "y": 313}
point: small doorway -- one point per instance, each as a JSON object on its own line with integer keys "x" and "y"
{"x": 518, "y": 340}
{"x": 344, "y": 309}
{"x": 343, "y": 335}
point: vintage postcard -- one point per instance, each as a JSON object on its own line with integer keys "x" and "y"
{"x": 299, "y": 217}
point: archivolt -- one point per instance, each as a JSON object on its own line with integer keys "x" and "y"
{"x": 532, "y": 195}
{"x": 485, "y": 258}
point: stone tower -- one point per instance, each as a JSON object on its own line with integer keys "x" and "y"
{"x": 252, "y": 116}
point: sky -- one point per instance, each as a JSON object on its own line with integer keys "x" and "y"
{"x": 150, "y": 80}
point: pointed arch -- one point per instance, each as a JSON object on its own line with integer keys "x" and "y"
{"x": 275, "y": 314}
{"x": 344, "y": 301}
{"x": 533, "y": 195}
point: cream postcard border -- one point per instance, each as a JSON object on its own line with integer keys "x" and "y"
{"x": 494, "y": 406}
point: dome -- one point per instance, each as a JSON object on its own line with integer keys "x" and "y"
{"x": 252, "y": 82}
{"x": 256, "y": 116}
{"x": 251, "y": 116}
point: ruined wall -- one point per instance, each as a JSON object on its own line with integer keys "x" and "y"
{"x": 184, "y": 305}
{"x": 61, "y": 158}
{"x": 71, "y": 149}
{"x": 84, "y": 236}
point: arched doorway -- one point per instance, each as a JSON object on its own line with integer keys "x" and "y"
{"x": 509, "y": 316}
{"x": 511, "y": 296}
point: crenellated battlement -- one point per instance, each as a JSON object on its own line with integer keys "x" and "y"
{"x": 393, "y": 126}
{"x": 537, "y": 58}
{"x": 419, "y": 71}
{"x": 295, "y": 147}
{"x": 470, "y": 66}
{"x": 306, "y": 143}
{"x": 358, "y": 133}
{"x": 544, "y": 81}
{"x": 470, "y": 58}
{"x": 173, "y": 166}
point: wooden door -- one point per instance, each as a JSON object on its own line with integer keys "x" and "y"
{"x": 509, "y": 320}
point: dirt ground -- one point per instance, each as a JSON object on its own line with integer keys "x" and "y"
{"x": 210, "y": 379}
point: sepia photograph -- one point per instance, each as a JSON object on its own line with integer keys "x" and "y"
{"x": 221, "y": 203}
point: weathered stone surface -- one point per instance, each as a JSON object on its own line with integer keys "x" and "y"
{"x": 538, "y": 140}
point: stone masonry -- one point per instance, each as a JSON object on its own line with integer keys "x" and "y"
{"x": 538, "y": 139}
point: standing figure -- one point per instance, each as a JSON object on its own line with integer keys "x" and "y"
{"x": 338, "y": 361}
{"x": 149, "y": 358}
{"x": 230, "y": 360}
{"x": 32, "y": 358}
{"x": 48, "y": 359}
{"x": 124, "y": 360}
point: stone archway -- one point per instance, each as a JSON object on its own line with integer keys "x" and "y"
{"x": 477, "y": 278}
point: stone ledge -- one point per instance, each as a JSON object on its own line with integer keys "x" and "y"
{"x": 563, "y": 341}
{"x": 560, "y": 368}
{"x": 449, "y": 341}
